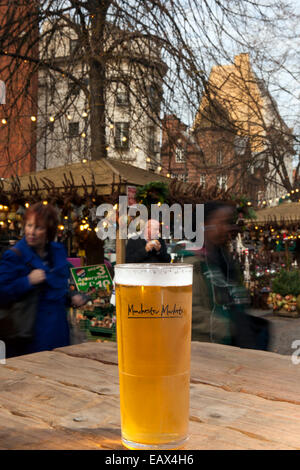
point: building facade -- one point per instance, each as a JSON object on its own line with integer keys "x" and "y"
{"x": 132, "y": 105}
{"x": 237, "y": 138}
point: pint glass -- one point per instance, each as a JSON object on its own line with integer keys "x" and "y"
{"x": 154, "y": 306}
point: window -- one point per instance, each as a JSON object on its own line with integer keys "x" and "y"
{"x": 203, "y": 180}
{"x": 179, "y": 155}
{"x": 122, "y": 135}
{"x": 153, "y": 145}
{"x": 74, "y": 89}
{"x": 179, "y": 176}
{"x": 122, "y": 97}
{"x": 222, "y": 182}
{"x": 73, "y": 129}
{"x": 73, "y": 45}
{"x": 86, "y": 82}
{"x": 154, "y": 97}
{"x": 219, "y": 157}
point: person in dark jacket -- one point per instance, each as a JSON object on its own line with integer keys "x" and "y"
{"x": 150, "y": 249}
{"x": 229, "y": 321}
{"x": 39, "y": 261}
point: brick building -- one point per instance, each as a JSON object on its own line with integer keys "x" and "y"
{"x": 230, "y": 142}
{"x": 18, "y": 108}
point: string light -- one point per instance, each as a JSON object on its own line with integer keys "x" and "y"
{"x": 83, "y": 135}
{"x": 84, "y": 160}
{"x": 69, "y": 117}
{"x": 4, "y": 121}
{"x": 84, "y": 114}
{"x": 51, "y": 119}
{"x": 148, "y": 160}
{"x": 33, "y": 118}
{"x": 159, "y": 168}
{"x": 27, "y": 205}
{"x": 45, "y": 203}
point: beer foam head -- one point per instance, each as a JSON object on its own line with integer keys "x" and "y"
{"x": 155, "y": 274}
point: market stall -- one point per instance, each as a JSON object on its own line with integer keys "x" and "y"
{"x": 271, "y": 245}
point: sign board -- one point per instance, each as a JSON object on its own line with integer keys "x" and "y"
{"x": 87, "y": 277}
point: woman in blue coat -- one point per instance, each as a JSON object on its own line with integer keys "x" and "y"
{"x": 38, "y": 261}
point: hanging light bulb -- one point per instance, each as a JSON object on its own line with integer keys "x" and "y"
{"x": 51, "y": 119}
{"x": 148, "y": 160}
{"x": 33, "y": 118}
{"x": 4, "y": 121}
{"x": 27, "y": 205}
{"x": 69, "y": 117}
{"x": 159, "y": 168}
{"x": 84, "y": 160}
{"x": 83, "y": 135}
{"x": 84, "y": 114}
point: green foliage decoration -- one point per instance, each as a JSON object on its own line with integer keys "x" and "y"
{"x": 287, "y": 282}
{"x": 152, "y": 193}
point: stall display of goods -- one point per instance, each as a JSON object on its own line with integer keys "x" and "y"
{"x": 285, "y": 296}
{"x": 98, "y": 316}
{"x": 284, "y": 306}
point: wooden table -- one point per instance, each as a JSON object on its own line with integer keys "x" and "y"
{"x": 68, "y": 399}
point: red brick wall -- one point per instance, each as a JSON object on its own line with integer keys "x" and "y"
{"x": 201, "y": 159}
{"x": 18, "y": 136}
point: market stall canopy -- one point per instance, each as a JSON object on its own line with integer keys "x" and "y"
{"x": 285, "y": 212}
{"x": 100, "y": 173}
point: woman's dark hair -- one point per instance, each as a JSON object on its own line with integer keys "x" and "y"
{"x": 45, "y": 215}
{"x": 212, "y": 206}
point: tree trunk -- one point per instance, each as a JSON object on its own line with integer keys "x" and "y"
{"x": 98, "y": 11}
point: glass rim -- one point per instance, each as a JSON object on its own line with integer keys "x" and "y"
{"x": 152, "y": 266}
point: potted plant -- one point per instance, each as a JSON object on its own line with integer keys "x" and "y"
{"x": 285, "y": 296}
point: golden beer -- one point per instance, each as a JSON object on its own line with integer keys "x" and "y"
{"x": 154, "y": 305}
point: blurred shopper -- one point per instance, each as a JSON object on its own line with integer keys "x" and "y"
{"x": 223, "y": 298}
{"x": 151, "y": 249}
{"x": 37, "y": 262}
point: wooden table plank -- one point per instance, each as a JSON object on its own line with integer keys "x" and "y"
{"x": 68, "y": 399}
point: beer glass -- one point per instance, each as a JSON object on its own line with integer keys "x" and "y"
{"x": 154, "y": 308}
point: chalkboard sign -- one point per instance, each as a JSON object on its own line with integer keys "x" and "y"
{"x": 87, "y": 277}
